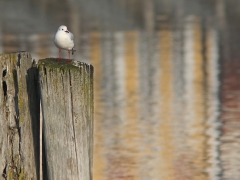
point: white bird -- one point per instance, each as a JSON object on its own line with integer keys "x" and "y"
{"x": 63, "y": 39}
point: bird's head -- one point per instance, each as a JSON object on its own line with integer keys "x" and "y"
{"x": 63, "y": 28}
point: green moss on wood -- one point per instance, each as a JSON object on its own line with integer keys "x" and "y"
{"x": 54, "y": 63}
{"x": 13, "y": 174}
{"x": 15, "y": 171}
{"x": 22, "y": 175}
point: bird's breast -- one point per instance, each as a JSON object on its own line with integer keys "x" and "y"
{"x": 63, "y": 41}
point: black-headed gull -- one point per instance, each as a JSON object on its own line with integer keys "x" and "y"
{"x": 63, "y": 39}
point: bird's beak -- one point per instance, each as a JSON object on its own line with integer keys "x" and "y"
{"x": 67, "y": 31}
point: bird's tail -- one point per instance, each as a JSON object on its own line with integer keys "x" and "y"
{"x": 73, "y": 50}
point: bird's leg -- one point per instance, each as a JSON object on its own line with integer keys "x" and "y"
{"x": 59, "y": 55}
{"x": 68, "y": 56}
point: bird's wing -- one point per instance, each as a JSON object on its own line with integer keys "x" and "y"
{"x": 71, "y": 36}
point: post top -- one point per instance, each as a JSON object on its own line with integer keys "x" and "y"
{"x": 62, "y": 64}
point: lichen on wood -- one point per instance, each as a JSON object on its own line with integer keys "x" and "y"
{"x": 18, "y": 153}
{"x": 67, "y": 104}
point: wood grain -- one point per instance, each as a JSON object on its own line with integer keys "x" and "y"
{"x": 19, "y": 103}
{"x": 67, "y": 105}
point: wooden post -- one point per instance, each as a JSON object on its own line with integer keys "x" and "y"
{"x": 67, "y": 105}
{"x": 19, "y": 117}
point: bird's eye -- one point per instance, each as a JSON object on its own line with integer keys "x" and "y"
{"x": 62, "y": 29}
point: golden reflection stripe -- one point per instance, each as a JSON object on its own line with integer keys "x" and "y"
{"x": 198, "y": 136}
{"x": 131, "y": 131}
{"x": 99, "y": 161}
{"x": 166, "y": 170}
{"x": 13, "y": 46}
{"x": 43, "y": 50}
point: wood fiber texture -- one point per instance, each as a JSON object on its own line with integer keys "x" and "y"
{"x": 19, "y": 117}
{"x": 67, "y": 105}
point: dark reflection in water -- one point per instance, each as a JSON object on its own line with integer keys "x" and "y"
{"x": 166, "y": 80}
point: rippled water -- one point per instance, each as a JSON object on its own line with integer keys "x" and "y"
{"x": 166, "y": 91}
{"x": 157, "y": 104}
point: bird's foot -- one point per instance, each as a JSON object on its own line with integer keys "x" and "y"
{"x": 69, "y": 60}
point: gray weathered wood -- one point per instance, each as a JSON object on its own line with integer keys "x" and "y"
{"x": 19, "y": 117}
{"x": 67, "y": 105}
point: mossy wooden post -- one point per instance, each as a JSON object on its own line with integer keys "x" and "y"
{"x": 67, "y": 105}
{"x": 19, "y": 117}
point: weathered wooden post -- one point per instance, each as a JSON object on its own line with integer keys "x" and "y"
{"x": 19, "y": 117}
{"x": 67, "y": 105}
